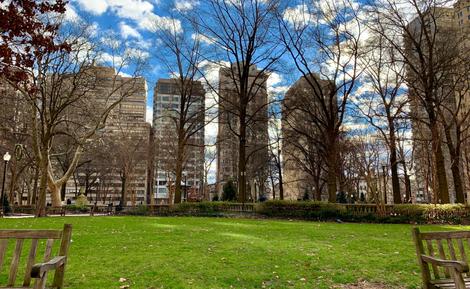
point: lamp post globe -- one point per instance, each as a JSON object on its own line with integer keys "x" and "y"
{"x": 6, "y": 159}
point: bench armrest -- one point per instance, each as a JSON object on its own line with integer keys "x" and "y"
{"x": 459, "y": 266}
{"x": 39, "y": 269}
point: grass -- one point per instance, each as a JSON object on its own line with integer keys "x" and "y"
{"x": 230, "y": 253}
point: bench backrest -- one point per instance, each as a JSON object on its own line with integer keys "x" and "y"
{"x": 35, "y": 238}
{"x": 451, "y": 245}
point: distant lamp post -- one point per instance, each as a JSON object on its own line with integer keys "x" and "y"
{"x": 97, "y": 190}
{"x": 185, "y": 187}
{"x": 6, "y": 159}
{"x": 385, "y": 183}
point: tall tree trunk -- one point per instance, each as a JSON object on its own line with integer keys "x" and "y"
{"x": 440, "y": 188}
{"x": 124, "y": 189}
{"x": 454, "y": 151}
{"x": 332, "y": 172}
{"x": 63, "y": 190}
{"x": 394, "y": 163}
{"x": 407, "y": 183}
{"x": 242, "y": 158}
{"x": 32, "y": 201}
{"x": 281, "y": 182}
{"x": 150, "y": 168}
{"x": 179, "y": 170}
{"x": 41, "y": 203}
{"x": 55, "y": 194}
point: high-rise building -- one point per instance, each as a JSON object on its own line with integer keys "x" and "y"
{"x": 303, "y": 166}
{"x": 256, "y": 128}
{"x": 462, "y": 16}
{"x": 117, "y": 160}
{"x": 166, "y": 113}
{"x": 444, "y": 24}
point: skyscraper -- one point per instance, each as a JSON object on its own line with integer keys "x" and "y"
{"x": 303, "y": 163}
{"x": 166, "y": 116}
{"x": 114, "y": 167}
{"x": 435, "y": 95}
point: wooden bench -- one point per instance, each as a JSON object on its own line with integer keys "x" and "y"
{"x": 36, "y": 271}
{"x": 444, "y": 254}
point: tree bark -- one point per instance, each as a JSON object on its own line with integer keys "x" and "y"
{"x": 454, "y": 152}
{"x": 41, "y": 203}
{"x": 332, "y": 171}
{"x": 441, "y": 189}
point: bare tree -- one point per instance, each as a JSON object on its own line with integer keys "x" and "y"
{"x": 275, "y": 153}
{"x": 323, "y": 39}
{"x": 242, "y": 35}
{"x": 384, "y": 105}
{"x": 179, "y": 51}
{"x": 61, "y": 92}
{"x": 423, "y": 35}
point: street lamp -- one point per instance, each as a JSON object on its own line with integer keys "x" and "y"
{"x": 185, "y": 187}
{"x": 6, "y": 159}
{"x": 385, "y": 183}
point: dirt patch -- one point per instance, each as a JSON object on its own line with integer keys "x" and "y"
{"x": 366, "y": 285}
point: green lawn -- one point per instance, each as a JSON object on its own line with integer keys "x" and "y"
{"x": 230, "y": 253}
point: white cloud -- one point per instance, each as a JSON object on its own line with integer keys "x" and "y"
{"x": 128, "y": 31}
{"x": 149, "y": 115}
{"x": 70, "y": 14}
{"x": 96, "y": 7}
{"x": 131, "y": 9}
{"x": 154, "y": 22}
{"x": 185, "y": 5}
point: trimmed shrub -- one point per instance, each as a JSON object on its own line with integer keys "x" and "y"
{"x": 140, "y": 210}
{"x": 311, "y": 210}
{"x": 77, "y": 209}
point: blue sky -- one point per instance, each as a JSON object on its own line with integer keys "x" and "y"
{"x": 132, "y": 21}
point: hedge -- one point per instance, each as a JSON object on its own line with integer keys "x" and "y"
{"x": 401, "y": 213}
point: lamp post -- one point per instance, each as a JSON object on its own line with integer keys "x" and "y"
{"x": 97, "y": 190}
{"x": 185, "y": 187}
{"x": 6, "y": 159}
{"x": 385, "y": 184}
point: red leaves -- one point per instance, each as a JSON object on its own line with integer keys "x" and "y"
{"x": 24, "y": 37}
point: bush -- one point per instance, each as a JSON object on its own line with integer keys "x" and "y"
{"x": 311, "y": 210}
{"x": 229, "y": 191}
{"x": 140, "y": 210}
{"x": 81, "y": 201}
{"x": 77, "y": 209}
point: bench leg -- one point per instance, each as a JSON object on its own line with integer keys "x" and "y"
{"x": 40, "y": 283}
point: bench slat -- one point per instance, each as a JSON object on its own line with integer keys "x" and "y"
{"x": 435, "y": 270}
{"x": 48, "y": 251}
{"x": 3, "y": 249}
{"x": 29, "y": 265}
{"x": 14, "y": 262}
{"x": 442, "y": 255}
{"x": 445, "y": 235}
{"x": 25, "y": 234}
{"x": 450, "y": 245}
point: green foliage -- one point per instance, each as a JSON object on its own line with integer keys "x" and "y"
{"x": 202, "y": 209}
{"x": 229, "y": 191}
{"x": 140, "y": 210}
{"x": 310, "y": 210}
{"x": 77, "y": 209}
{"x": 402, "y": 213}
{"x": 81, "y": 201}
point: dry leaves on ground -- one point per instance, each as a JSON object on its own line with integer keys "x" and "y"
{"x": 365, "y": 285}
